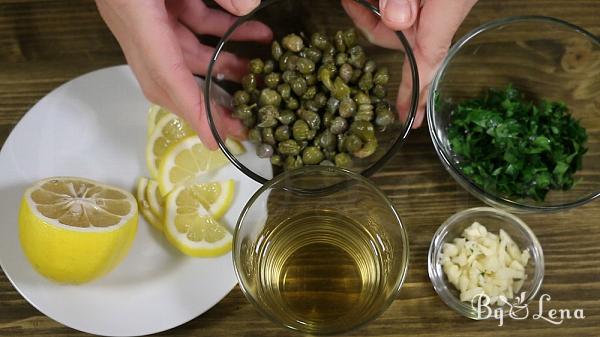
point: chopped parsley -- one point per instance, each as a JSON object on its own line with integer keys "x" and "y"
{"x": 516, "y": 147}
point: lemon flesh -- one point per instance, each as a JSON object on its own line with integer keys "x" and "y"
{"x": 74, "y": 230}
{"x": 190, "y": 227}
{"x": 185, "y": 162}
{"x": 168, "y": 130}
{"x": 144, "y": 205}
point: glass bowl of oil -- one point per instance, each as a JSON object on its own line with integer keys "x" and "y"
{"x": 320, "y": 250}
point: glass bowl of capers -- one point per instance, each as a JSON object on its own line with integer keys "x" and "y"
{"x": 319, "y": 93}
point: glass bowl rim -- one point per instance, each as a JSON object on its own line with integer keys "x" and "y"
{"x": 446, "y": 160}
{"x": 435, "y": 249}
{"x": 352, "y": 176}
{"x": 376, "y": 166}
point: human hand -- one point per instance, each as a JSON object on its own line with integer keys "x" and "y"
{"x": 159, "y": 43}
{"x": 429, "y": 26}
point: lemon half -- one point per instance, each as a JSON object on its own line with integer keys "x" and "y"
{"x": 74, "y": 230}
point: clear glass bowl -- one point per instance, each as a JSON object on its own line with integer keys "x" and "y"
{"x": 309, "y": 16}
{"x": 494, "y": 220}
{"x": 547, "y": 59}
{"x": 338, "y": 210}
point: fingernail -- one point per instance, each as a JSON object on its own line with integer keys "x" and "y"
{"x": 397, "y": 11}
{"x": 245, "y": 6}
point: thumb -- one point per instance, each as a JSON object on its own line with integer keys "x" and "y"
{"x": 399, "y": 14}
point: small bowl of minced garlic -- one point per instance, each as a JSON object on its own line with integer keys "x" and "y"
{"x": 484, "y": 262}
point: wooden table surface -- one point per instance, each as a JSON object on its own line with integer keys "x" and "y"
{"x": 46, "y": 43}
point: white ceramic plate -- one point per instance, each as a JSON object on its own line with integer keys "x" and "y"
{"x": 95, "y": 126}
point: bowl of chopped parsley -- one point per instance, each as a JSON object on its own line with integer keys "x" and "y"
{"x": 514, "y": 114}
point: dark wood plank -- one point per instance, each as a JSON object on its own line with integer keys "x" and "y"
{"x": 46, "y": 43}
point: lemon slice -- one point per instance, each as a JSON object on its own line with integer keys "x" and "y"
{"x": 190, "y": 228}
{"x": 155, "y": 113}
{"x": 168, "y": 130}
{"x": 155, "y": 199}
{"x": 74, "y": 230}
{"x": 144, "y": 205}
{"x": 185, "y": 162}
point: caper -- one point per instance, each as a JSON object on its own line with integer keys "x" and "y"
{"x": 375, "y": 99}
{"x": 256, "y": 66}
{"x": 305, "y": 66}
{"x": 363, "y": 129}
{"x": 341, "y": 58}
{"x": 313, "y": 54}
{"x": 289, "y": 75}
{"x": 249, "y": 82}
{"x": 312, "y": 155}
{"x": 338, "y": 125}
{"x": 330, "y": 50}
{"x": 362, "y": 98}
{"x": 249, "y": 122}
{"x": 293, "y": 43}
{"x": 326, "y": 140}
{"x": 289, "y": 147}
{"x": 292, "y": 103}
{"x": 299, "y": 86}
{"x": 384, "y": 118}
{"x": 320, "y": 99}
{"x": 272, "y": 80}
{"x": 276, "y": 50}
{"x": 328, "y": 59}
{"x": 269, "y": 67}
{"x": 326, "y": 162}
{"x": 310, "y": 92}
{"x": 370, "y": 66}
{"x": 312, "y": 119}
{"x": 340, "y": 89}
{"x": 379, "y": 91}
{"x": 350, "y": 38}
{"x": 300, "y": 130}
{"x": 267, "y": 136}
{"x": 346, "y": 72}
{"x": 287, "y": 117}
{"x": 332, "y": 104}
{"x": 347, "y": 107}
{"x": 381, "y": 76}
{"x": 311, "y": 79}
{"x": 357, "y": 57}
{"x": 241, "y": 97}
{"x": 338, "y": 41}
{"x": 366, "y": 81}
{"x": 319, "y": 40}
{"x": 356, "y": 74}
{"x": 343, "y": 160}
{"x": 326, "y": 73}
{"x": 267, "y": 123}
{"x": 352, "y": 143}
{"x": 255, "y": 136}
{"x": 267, "y": 111}
{"x": 276, "y": 160}
{"x": 242, "y": 112}
{"x": 293, "y": 162}
{"x": 311, "y": 105}
{"x": 368, "y": 149}
{"x": 288, "y": 61}
{"x": 264, "y": 150}
{"x": 282, "y": 133}
{"x": 269, "y": 97}
{"x": 284, "y": 90}
{"x": 365, "y": 112}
